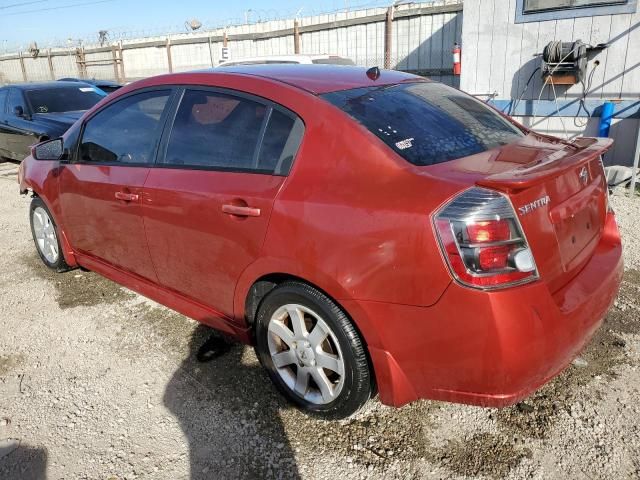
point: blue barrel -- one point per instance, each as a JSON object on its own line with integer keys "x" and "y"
{"x": 605, "y": 119}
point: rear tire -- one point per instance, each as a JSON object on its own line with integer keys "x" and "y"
{"x": 46, "y": 236}
{"x": 312, "y": 351}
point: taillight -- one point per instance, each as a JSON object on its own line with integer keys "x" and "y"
{"x": 483, "y": 242}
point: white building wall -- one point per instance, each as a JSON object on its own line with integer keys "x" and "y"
{"x": 499, "y": 55}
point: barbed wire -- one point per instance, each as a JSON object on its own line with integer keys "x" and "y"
{"x": 251, "y": 17}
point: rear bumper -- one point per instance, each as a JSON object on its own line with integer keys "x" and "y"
{"x": 490, "y": 348}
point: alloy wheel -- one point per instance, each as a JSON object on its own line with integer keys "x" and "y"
{"x": 45, "y": 234}
{"x": 306, "y": 354}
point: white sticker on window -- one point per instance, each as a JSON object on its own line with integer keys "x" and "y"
{"x": 404, "y": 144}
{"x": 87, "y": 89}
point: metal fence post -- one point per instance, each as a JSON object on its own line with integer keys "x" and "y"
{"x": 169, "y": 59}
{"x": 211, "y": 52}
{"x": 296, "y": 37}
{"x": 53, "y": 73}
{"x": 24, "y": 70}
{"x": 388, "y": 37}
{"x": 121, "y": 61}
{"x": 114, "y": 56}
{"x": 80, "y": 61}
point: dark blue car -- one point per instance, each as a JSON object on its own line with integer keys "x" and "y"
{"x": 34, "y": 112}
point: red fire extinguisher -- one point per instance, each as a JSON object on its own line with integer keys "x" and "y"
{"x": 457, "y": 64}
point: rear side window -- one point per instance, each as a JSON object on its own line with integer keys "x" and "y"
{"x": 281, "y": 141}
{"x": 126, "y": 131}
{"x": 226, "y": 132}
{"x": 426, "y": 123}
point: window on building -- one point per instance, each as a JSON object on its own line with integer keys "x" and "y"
{"x": 541, "y": 10}
{"x": 544, "y": 5}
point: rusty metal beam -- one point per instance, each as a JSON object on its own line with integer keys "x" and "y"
{"x": 296, "y": 37}
{"x": 388, "y": 37}
{"x": 114, "y": 56}
{"x": 169, "y": 59}
{"x": 121, "y": 63}
{"x": 51, "y": 70}
{"x": 22, "y": 67}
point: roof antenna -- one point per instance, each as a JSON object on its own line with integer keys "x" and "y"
{"x": 373, "y": 73}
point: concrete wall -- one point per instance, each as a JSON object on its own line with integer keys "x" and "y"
{"x": 423, "y": 35}
{"x": 499, "y": 55}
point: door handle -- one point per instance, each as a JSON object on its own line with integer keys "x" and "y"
{"x": 241, "y": 211}
{"x": 127, "y": 197}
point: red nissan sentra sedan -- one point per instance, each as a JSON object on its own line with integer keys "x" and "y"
{"x": 367, "y": 231}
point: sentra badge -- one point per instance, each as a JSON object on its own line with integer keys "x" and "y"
{"x": 530, "y": 207}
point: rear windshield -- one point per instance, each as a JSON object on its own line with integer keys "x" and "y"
{"x": 63, "y": 99}
{"x": 426, "y": 123}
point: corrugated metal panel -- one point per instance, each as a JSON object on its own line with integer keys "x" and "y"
{"x": 423, "y": 36}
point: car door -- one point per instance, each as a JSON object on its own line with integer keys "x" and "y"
{"x": 17, "y": 129}
{"x": 208, "y": 201}
{"x": 101, "y": 189}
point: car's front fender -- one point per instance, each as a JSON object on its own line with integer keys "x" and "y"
{"x": 41, "y": 178}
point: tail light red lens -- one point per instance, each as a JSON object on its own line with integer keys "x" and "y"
{"x": 488, "y": 231}
{"x": 493, "y": 258}
{"x": 483, "y": 241}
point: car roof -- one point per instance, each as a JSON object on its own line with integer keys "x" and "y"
{"x": 93, "y": 81}
{"x": 317, "y": 79}
{"x": 45, "y": 85}
{"x": 298, "y": 57}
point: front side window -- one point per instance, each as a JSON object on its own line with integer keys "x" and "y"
{"x": 126, "y": 131}
{"x": 426, "y": 123}
{"x": 15, "y": 100}
{"x": 221, "y": 131}
{"x": 66, "y": 99}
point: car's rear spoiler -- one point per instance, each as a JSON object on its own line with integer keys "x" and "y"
{"x": 577, "y": 153}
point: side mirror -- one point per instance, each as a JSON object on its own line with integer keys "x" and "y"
{"x": 49, "y": 150}
{"x": 18, "y": 111}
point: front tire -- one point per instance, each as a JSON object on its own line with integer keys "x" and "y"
{"x": 312, "y": 351}
{"x": 46, "y": 237}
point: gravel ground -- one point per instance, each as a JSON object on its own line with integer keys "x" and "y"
{"x": 98, "y": 382}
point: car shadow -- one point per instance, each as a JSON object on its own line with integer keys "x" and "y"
{"x": 22, "y": 462}
{"x": 232, "y": 431}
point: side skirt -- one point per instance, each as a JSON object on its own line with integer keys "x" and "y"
{"x": 166, "y": 297}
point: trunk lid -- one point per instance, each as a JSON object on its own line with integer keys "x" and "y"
{"x": 558, "y": 190}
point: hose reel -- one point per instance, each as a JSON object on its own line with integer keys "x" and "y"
{"x": 564, "y": 63}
